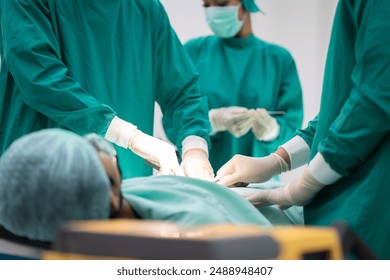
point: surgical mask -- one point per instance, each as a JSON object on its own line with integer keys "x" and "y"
{"x": 224, "y": 21}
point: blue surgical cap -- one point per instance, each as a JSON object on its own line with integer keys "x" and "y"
{"x": 49, "y": 177}
{"x": 250, "y": 6}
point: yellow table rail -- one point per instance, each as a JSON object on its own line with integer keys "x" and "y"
{"x": 128, "y": 239}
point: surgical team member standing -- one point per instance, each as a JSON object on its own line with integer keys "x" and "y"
{"x": 348, "y": 143}
{"x": 245, "y": 77}
{"x": 98, "y": 66}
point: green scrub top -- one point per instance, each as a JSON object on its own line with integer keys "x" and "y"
{"x": 77, "y": 64}
{"x": 188, "y": 202}
{"x": 253, "y": 74}
{"x": 352, "y": 129}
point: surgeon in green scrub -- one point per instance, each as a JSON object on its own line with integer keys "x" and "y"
{"x": 245, "y": 78}
{"x": 347, "y": 145}
{"x": 99, "y": 66}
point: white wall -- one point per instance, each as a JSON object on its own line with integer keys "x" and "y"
{"x": 301, "y": 26}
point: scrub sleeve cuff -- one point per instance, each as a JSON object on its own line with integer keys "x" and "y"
{"x": 321, "y": 170}
{"x": 194, "y": 142}
{"x": 120, "y": 132}
{"x": 298, "y": 151}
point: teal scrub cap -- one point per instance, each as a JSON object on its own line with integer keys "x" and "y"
{"x": 250, "y": 6}
{"x": 49, "y": 177}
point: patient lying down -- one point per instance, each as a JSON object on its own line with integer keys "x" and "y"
{"x": 52, "y": 176}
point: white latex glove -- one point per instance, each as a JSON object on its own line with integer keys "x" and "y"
{"x": 243, "y": 169}
{"x": 156, "y": 151}
{"x": 301, "y": 191}
{"x": 265, "y": 127}
{"x": 236, "y": 120}
{"x": 196, "y": 164}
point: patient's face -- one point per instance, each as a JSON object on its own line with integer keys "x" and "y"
{"x": 109, "y": 160}
{"x": 110, "y": 164}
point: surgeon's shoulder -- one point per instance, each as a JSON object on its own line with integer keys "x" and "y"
{"x": 153, "y": 8}
{"x": 277, "y": 51}
{"x": 195, "y": 45}
{"x": 199, "y": 42}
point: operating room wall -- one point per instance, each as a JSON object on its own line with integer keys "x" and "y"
{"x": 301, "y": 26}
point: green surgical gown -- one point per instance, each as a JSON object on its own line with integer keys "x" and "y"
{"x": 188, "y": 202}
{"x": 253, "y": 74}
{"x": 76, "y": 64}
{"x": 352, "y": 129}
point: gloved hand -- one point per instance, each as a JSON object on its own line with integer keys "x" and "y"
{"x": 236, "y": 120}
{"x": 196, "y": 164}
{"x": 301, "y": 191}
{"x": 264, "y": 127}
{"x": 156, "y": 151}
{"x": 243, "y": 169}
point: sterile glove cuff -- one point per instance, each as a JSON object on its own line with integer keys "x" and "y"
{"x": 120, "y": 132}
{"x": 194, "y": 142}
{"x": 216, "y": 126}
{"x": 298, "y": 151}
{"x": 284, "y": 167}
{"x": 271, "y": 135}
{"x": 321, "y": 170}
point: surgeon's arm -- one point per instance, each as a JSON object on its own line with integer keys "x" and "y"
{"x": 184, "y": 107}
{"x": 364, "y": 121}
{"x": 33, "y": 56}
